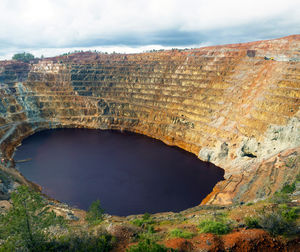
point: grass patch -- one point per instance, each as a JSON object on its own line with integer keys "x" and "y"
{"x": 149, "y": 246}
{"x": 214, "y": 227}
{"x": 143, "y": 222}
{"x": 178, "y": 233}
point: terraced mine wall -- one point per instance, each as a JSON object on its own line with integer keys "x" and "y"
{"x": 236, "y": 106}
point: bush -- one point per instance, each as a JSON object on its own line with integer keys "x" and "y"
{"x": 290, "y": 214}
{"x": 280, "y": 198}
{"x": 95, "y": 213}
{"x": 144, "y": 222}
{"x": 25, "y": 57}
{"x": 288, "y": 188}
{"x": 149, "y": 246}
{"x": 83, "y": 242}
{"x": 215, "y": 227}
{"x": 279, "y": 221}
{"x": 178, "y": 233}
{"x": 149, "y": 233}
{"x": 276, "y": 224}
{"x": 252, "y": 222}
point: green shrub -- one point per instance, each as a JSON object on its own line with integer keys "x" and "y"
{"x": 144, "y": 222}
{"x": 149, "y": 234}
{"x": 178, "y": 233}
{"x": 146, "y": 216}
{"x": 83, "y": 242}
{"x": 215, "y": 227}
{"x": 288, "y": 188}
{"x": 290, "y": 162}
{"x": 279, "y": 221}
{"x": 280, "y": 198}
{"x": 252, "y": 222}
{"x": 74, "y": 242}
{"x": 150, "y": 229}
{"x": 152, "y": 236}
{"x": 149, "y": 246}
{"x": 95, "y": 213}
{"x": 276, "y": 224}
{"x": 289, "y": 213}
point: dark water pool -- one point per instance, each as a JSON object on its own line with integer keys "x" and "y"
{"x": 128, "y": 173}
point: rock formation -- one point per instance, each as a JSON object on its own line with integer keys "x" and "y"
{"x": 236, "y": 106}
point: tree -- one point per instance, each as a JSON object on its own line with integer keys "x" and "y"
{"x": 23, "y": 226}
{"x": 25, "y": 57}
{"x": 95, "y": 213}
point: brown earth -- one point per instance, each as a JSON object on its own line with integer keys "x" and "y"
{"x": 241, "y": 240}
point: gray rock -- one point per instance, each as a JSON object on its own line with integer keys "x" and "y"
{"x": 71, "y": 216}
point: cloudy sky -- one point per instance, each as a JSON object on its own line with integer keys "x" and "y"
{"x": 51, "y": 27}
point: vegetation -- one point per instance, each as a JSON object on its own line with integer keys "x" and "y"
{"x": 149, "y": 246}
{"x": 276, "y": 223}
{"x": 279, "y": 220}
{"x": 24, "y": 225}
{"x": 147, "y": 223}
{"x": 178, "y": 233}
{"x": 95, "y": 213}
{"x": 25, "y": 57}
{"x": 215, "y": 227}
{"x": 280, "y": 198}
{"x": 252, "y": 222}
{"x": 83, "y": 242}
{"x": 144, "y": 222}
{"x": 288, "y": 188}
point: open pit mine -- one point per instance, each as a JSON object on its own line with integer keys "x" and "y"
{"x": 236, "y": 106}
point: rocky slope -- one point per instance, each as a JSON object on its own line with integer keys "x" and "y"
{"x": 232, "y": 105}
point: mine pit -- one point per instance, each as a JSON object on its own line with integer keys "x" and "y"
{"x": 129, "y": 173}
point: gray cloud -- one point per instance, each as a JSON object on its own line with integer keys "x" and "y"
{"x": 39, "y": 24}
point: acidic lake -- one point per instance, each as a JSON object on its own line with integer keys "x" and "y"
{"x": 129, "y": 173}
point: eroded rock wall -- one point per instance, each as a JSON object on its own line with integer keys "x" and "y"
{"x": 231, "y": 105}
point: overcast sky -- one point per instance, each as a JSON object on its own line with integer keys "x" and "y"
{"x": 51, "y": 27}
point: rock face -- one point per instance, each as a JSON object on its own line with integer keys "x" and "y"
{"x": 232, "y": 105}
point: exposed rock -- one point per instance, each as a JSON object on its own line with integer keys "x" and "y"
{"x": 226, "y": 104}
{"x": 122, "y": 231}
{"x": 71, "y": 216}
{"x": 4, "y": 205}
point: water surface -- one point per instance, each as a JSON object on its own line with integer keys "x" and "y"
{"x": 129, "y": 173}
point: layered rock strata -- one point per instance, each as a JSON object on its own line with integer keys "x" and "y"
{"x": 236, "y": 106}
